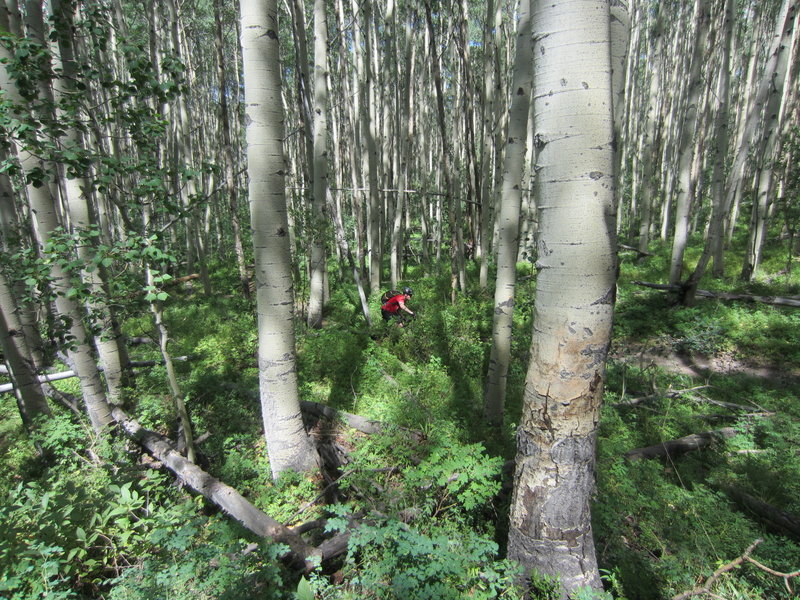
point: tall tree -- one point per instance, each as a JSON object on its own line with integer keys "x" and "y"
{"x": 319, "y": 227}
{"x": 688, "y": 139}
{"x": 288, "y": 444}
{"x": 774, "y": 113}
{"x": 550, "y": 525}
{"x": 508, "y": 223}
{"x": 228, "y": 153}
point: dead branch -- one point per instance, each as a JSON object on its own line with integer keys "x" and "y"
{"x": 793, "y": 301}
{"x": 705, "y": 589}
{"x": 688, "y": 443}
{"x": 632, "y": 249}
{"x": 657, "y": 396}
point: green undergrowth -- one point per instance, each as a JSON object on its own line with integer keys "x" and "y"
{"x": 85, "y": 518}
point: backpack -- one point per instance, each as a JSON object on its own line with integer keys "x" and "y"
{"x": 388, "y": 295}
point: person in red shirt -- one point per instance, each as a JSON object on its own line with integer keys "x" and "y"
{"x": 394, "y": 305}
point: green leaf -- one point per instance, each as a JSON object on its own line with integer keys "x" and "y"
{"x": 304, "y": 591}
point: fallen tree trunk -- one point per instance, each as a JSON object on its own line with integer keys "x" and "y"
{"x": 221, "y": 494}
{"x": 776, "y": 300}
{"x": 771, "y": 515}
{"x": 681, "y": 445}
{"x": 357, "y": 422}
{"x": 50, "y": 377}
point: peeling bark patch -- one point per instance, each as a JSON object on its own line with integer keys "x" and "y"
{"x": 596, "y": 382}
{"x": 526, "y": 445}
{"x": 608, "y": 298}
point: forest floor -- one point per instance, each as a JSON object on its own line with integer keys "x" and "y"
{"x": 701, "y": 366}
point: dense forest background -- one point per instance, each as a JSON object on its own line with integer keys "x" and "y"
{"x": 201, "y": 203}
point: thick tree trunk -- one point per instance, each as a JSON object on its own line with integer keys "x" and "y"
{"x": 288, "y": 444}
{"x": 550, "y": 528}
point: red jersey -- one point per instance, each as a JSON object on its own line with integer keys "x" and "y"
{"x": 393, "y": 304}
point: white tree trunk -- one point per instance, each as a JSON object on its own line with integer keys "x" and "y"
{"x": 550, "y": 525}
{"x": 319, "y": 227}
{"x": 508, "y": 222}
{"x": 288, "y": 444}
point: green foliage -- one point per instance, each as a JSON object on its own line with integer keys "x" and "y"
{"x": 391, "y": 559}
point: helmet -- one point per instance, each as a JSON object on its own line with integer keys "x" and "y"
{"x": 407, "y": 291}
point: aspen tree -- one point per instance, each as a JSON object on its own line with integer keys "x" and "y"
{"x": 550, "y": 525}
{"x": 508, "y": 222}
{"x": 288, "y": 444}
{"x": 318, "y": 228}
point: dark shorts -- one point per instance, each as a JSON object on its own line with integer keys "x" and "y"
{"x": 400, "y": 316}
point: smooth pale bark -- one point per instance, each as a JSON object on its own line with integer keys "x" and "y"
{"x": 508, "y": 222}
{"x": 319, "y": 227}
{"x": 550, "y": 524}
{"x": 775, "y": 111}
{"x": 44, "y": 208}
{"x": 30, "y": 396}
{"x": 689, "y": 126}
{"x": 231, "y": 186}
{"x": 288, "y": 444}
{"x": 717, "y": 224}
{"x": 405, "y": 127}
{"x": 770, "y": 76}
{"x": 491, "y": 33}
{"x": 457, "y": 269}
{"x": 620, "y": 38}
{"x": 648, "y": 140}
{"x": 109, "y": 342}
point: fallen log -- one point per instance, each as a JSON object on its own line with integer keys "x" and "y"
{"x": 771, "y": 515}
{"x": 50, "y": 377}
{"x": 221, "y": 494}
{"x": 793, "y": 301}
{"x": 680, "y": 445}
{"x": 356, "y": 422}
